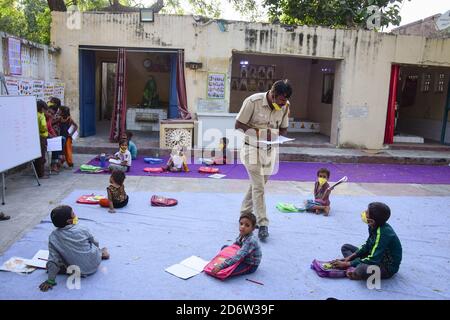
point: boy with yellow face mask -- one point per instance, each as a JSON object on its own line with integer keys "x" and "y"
{"x": 71, "y": 244}
{"x": 382, "y": 248}
{"x": 322, "y": 190}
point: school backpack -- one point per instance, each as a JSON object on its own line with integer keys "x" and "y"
{"x": 224, "y": 254}
{"x": 90, "y": 169}
{"x": 90, "y": 199}
{"x": 208, "y": 170}
{"x": 325, "y": 270}
{"x": 288, "y": 207}
{"x": 159, "y": 201}
{"x": 153, "y": 160}
{"x": 154, "y": 170}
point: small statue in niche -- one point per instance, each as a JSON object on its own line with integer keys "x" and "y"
{"x": 151, "y": 97}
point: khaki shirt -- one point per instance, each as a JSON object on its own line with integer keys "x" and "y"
{"x": 257, "y": 114}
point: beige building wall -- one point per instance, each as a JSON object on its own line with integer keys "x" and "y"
{"x": 362, "y": 79}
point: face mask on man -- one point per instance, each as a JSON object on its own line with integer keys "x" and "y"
{"x": 276, "y": 106}
{"x": 123, "y": 149}
{"x": 75, "y": 220}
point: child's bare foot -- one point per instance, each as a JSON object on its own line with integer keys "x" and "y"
{"x": 105, "y": 254}
{"x": 326, "y": 211}
{"x": 317, "y": 211}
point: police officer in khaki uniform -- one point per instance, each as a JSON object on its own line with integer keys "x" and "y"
{"x": 263, "y": 117}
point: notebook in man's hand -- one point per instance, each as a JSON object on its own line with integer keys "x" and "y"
{"x": 280, "y": 140}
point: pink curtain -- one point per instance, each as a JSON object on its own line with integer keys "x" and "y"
{"x": 118, "y": 124}
{"x": 390, "y": 118}
{"x": 181, "y": 88}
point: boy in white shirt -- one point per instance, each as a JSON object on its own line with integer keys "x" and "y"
{"x": 122, "y": 159}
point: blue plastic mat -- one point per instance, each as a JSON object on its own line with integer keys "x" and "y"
{"x": 144, "y": 240}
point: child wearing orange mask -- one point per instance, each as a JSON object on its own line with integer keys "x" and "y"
{"x": 322, "y": 190}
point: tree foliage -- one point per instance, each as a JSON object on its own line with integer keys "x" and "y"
{"x": 31, "y": 19}
{"x": 333, "y": 13}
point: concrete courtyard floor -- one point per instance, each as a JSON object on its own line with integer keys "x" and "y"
{"x": 28, "y": 204}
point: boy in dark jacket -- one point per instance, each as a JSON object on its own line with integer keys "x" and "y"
{"x": 382, "y": 248}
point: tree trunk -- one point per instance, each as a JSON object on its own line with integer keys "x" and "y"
{"x": 57, "y": 5}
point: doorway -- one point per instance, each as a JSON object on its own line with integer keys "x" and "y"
{"x": 418, "y": 105}
{"x": 313, "y": 82}
{"x": 151, "y": 91}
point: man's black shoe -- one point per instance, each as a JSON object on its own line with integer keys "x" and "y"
{"x": 263, "y": 233}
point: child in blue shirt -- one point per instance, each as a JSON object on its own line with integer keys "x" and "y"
{"x": 131, "y": 145}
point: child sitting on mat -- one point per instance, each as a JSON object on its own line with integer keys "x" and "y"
{"x": 177, "y": 161}
{"x": 382, "y": 248}
{"x": 121, "y": 160}
{"x": 322, "y": 192}
{"x": 131, "y": 145}
{"x": 116, "y": 191}
{"x": 221, "y": 157}
{"x": 250, "y": 250}
{"x": 71, "y": 245}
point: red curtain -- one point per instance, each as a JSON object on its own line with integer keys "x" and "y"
{"x": 118, "y": 124}
{"x": 181, "y": 87}
{"x": 390, "y": 118}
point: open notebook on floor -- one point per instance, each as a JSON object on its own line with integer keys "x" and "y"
{"x": 39, "y": 260}
{"x": 188, "y": 268}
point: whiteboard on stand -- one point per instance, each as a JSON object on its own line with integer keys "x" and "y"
{"x": 19, "y": 133}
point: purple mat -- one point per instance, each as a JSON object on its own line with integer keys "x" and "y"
{"x": 306, "y": 171}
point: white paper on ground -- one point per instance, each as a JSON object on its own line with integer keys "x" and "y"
{"x": 39, "y": 260}
{"x": 115, "y": 161}
{"x": 54, "y": 144}
{"x": 188, "y": 268}
{"x": 16, "y": 264}
{"x": 217, "y": 176}
{"x": 280, "y": 140}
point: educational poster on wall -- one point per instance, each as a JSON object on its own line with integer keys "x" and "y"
{"x": 216, "y": 85}
{"x": 58, "y": 91}
{"x": 25, "y": 87}
{"x": 38, "y": 89}
{"x": 13, "y": 86}
{"x": 14, "y": 57}
{"x": 48, "y": 90}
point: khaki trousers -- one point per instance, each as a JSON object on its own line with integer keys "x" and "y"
{"x": 260, "y": 164}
